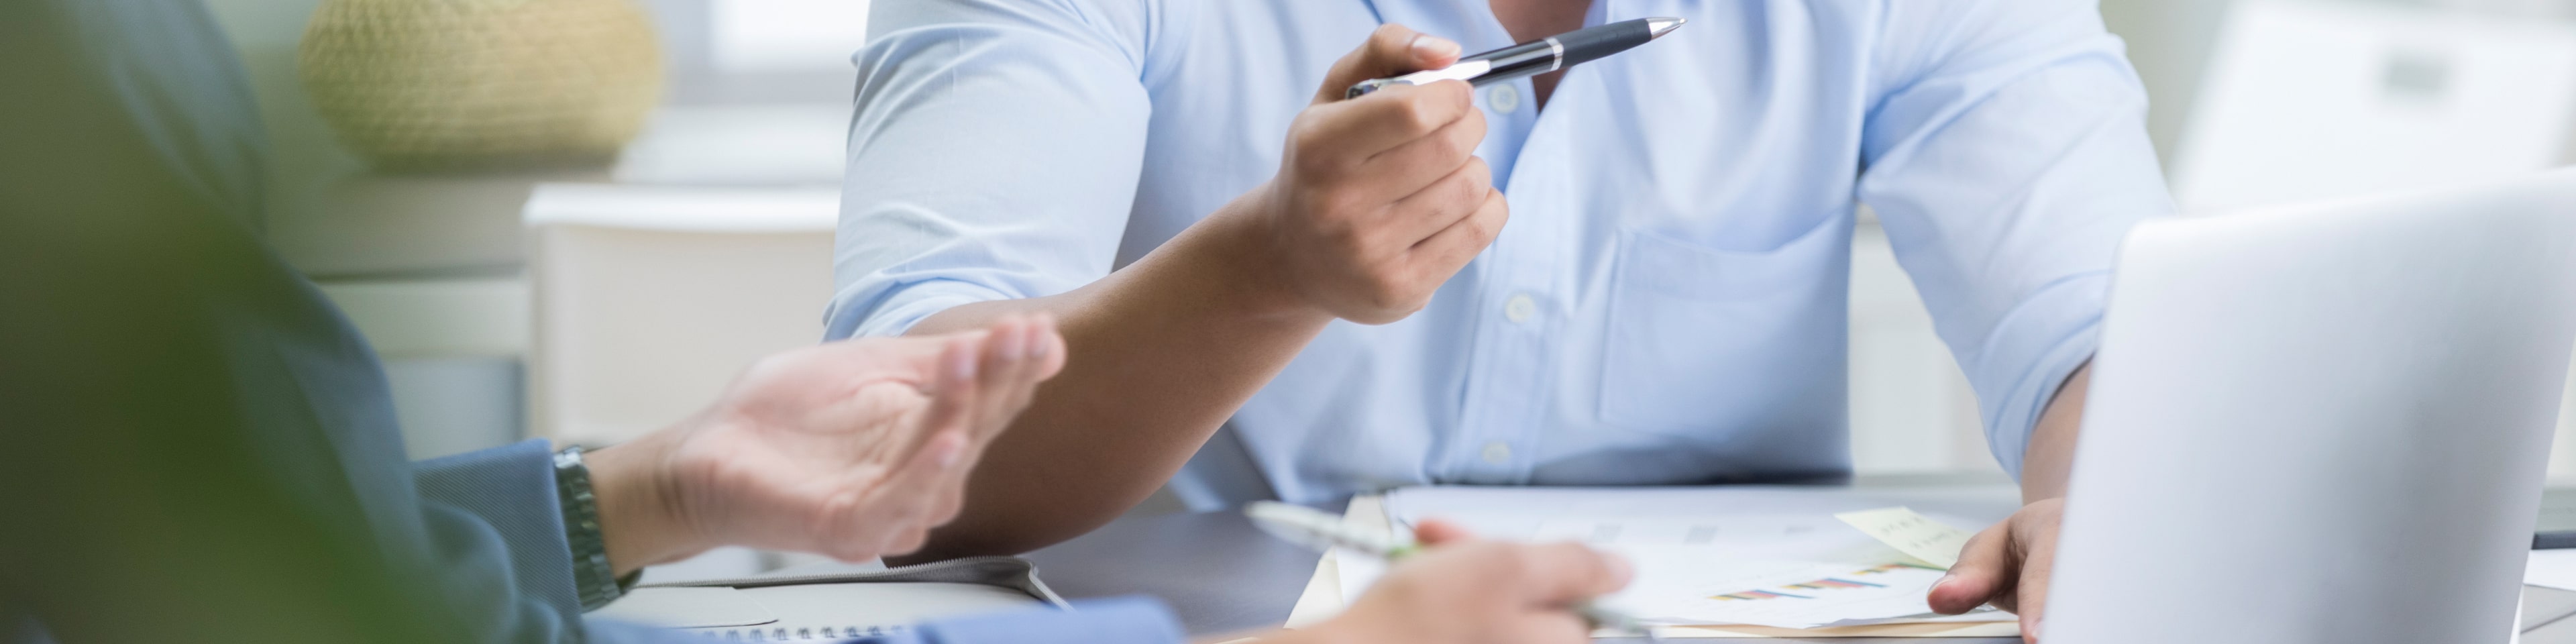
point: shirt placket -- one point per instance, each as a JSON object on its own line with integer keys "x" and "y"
{"x": 1506, "y": 402}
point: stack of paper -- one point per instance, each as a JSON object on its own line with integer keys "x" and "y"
{"x": 1769, "y": 557}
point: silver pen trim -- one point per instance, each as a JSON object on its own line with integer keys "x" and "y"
{"x": 1657, "y": 27}
{"x": 1557, "y": 58}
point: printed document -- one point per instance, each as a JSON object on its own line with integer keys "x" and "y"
{"x": 1753, "y": 555}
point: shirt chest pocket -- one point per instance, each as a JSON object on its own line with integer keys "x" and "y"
{"x": 1717, "y": 344}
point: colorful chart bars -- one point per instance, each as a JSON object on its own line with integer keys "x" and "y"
{"x": 1751, "y": 595}
{"x": 1830, "y": 583}
{"x": 1890, "y": 567}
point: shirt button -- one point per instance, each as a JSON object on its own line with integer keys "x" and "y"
{"x": 1504, "y": 98}
{"x": 1497, "y": 453}
{"x": 1520, "y": 308}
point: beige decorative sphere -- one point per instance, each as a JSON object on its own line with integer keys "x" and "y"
{"x": 474, "y": 84}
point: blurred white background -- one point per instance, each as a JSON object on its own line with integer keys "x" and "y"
{"x": 2255, "y": 102}
{"x": 2261, "y": 102}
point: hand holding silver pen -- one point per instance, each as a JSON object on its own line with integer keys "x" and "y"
{"x": 1535, "y": 57}
{"x": 1454, "y": 587}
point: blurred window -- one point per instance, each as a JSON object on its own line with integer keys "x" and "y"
{"x": 752, "y": 36}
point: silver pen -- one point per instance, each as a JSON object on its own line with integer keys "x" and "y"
{"x": 1535, "y": 57}
{"x": 1322, "y": 532}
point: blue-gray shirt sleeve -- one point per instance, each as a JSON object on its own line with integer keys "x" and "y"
{"x": 496, "y": 510}
{"x": 494, "y": 513}
{"x": 1121, "y": 620}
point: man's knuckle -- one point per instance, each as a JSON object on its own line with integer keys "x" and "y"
{"x": 1467, "y": 191}
{"x": 1449, "y": 154}
{"x": 1480, "y": 231}
{"x": 1457, "y": 97}
{"x": 1390, "y": 38}
{"x": 1305, "y": 136}
{"x": 1422, "y": 115}
{"x": 1464, "y": 150}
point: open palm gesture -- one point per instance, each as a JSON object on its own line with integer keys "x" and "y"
{"x": 852, "y": 449}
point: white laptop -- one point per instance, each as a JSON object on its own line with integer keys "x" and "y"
{"x": 2323, "y": 423}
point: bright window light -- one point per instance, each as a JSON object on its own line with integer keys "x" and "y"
{"x": 787, "y": 35}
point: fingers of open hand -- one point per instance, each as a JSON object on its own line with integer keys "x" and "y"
{"x": 875, "y": 513}
{"x": 953, "y": 393}
{"x": 901, "y": 504}
{"x": 1052, "y": 349}
{"x": 919, "y": 359}
{"x": 1986, "y": 572}
{"x": 1391, "y": 50}
{"x": 1021, "y": 355}
{"x": 1014, "y": 355}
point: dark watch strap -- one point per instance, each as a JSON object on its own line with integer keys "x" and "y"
{"x": 593, "y": 579}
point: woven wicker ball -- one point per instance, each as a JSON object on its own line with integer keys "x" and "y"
{"x": 474, "y": 84}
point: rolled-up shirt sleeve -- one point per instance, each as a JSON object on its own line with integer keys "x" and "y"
{"x": 2006, "y": 155}
{"x": 994, "y": 153}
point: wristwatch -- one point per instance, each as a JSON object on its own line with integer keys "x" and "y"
{"x": 593, "y": 579}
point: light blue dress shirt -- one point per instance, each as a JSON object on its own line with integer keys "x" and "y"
{"x": 1669, "y": 301}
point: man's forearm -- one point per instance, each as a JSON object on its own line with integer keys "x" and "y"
{"x": 1377, "y": 202}
{"x": 2051, "y": 451}
{"x": 1160, "y": 354}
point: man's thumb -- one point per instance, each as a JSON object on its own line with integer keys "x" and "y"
{"x": 1392, "y": 50}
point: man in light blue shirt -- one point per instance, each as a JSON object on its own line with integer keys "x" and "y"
{"x": 1230, "y": 244}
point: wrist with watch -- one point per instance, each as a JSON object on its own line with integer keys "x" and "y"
{"x": 594, "y": 580}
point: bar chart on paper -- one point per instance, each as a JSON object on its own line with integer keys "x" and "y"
{"x": 1788, "y": 594}
{"x": 1824, "y": 586}
{"x": 1772, "y": 557}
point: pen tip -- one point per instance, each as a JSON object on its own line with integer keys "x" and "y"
{"x": 1657, "y": 27}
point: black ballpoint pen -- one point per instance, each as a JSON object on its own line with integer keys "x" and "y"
{"x": 1535, "y": 57}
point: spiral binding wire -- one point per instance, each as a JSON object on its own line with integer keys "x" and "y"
{"x": 783, "y": 634}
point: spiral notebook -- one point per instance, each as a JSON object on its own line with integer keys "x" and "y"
{"x": 834, "y": 606}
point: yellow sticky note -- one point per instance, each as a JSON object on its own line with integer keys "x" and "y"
{"x": 1915, "y": 535}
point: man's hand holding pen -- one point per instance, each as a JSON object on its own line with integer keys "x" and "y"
{"x": 1378, "y": 199}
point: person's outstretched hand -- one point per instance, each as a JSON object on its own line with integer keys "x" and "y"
{"x": 1467, "y": 591}
{"x": 852, "y": 449}
{"x": 2006, "y": 565}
